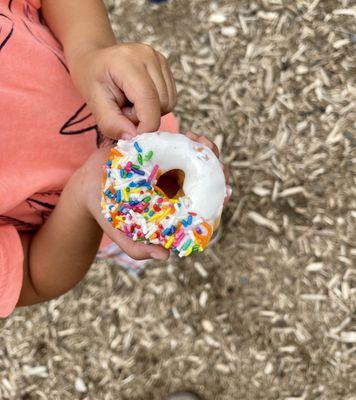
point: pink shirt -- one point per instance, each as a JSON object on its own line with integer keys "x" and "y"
{"x": 46, "y": 133}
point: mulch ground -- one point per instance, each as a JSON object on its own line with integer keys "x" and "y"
{"x": 268, "y": 312}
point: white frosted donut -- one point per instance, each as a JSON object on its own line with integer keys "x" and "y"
{"x": 164, "y": 188}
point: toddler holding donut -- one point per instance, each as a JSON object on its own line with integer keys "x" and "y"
{"x": 67, "y": 88}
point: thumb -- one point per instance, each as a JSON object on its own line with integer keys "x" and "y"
{"x": 109, "y": 117}
{"x": 141, "y": 251}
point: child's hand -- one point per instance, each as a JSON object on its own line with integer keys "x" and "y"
{"x": 88, "y": 193}
{"x": 128, "y": 87}
{"x": 87, "y": 187}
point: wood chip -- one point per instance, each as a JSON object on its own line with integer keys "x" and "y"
{"x": 272, "y": 82}
{"x": 262, "y": 221}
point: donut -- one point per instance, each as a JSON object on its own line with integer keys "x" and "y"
{"x": 164, "y": 188}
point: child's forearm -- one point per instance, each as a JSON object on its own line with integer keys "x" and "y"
{"x": 61, "y": 252}
{"x": 80, "y": 25}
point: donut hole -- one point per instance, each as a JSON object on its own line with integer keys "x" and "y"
{"x": 171, "y": 183}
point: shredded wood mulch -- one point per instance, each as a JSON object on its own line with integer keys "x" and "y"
{"x": 268, "y": 311}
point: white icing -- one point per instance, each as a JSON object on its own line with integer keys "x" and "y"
{"x": 204, "y": 183}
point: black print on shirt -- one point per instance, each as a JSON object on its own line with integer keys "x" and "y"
{"x": 6, "y": 30}
{"x": 82, "y": 119}
{"x": 17, "y": 223}
{"x": 80, "y": 122}
{"x": 31, "y": 14}
{"x": 42, "y": 208}
{"x": 58, "y": 55}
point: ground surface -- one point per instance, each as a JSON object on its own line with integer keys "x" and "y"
{"x": 269, "y": 311}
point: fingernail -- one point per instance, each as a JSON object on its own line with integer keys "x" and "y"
{"x": 228, "y": 190}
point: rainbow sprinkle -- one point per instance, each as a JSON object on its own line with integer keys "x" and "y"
{"x": 133, "y": 203}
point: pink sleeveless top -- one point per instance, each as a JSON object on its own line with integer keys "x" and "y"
{"x": 46, "y": 133}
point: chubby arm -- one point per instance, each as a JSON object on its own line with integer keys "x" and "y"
{"x": 80, "y": 25}
{"x": 58, "y": 256}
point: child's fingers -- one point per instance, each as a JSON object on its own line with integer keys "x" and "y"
{"x": 215, "y": 150}
{"x": 225, "y": 171}
{"x": 131, "y": 114}
{"x": 140, "y": 90}
{"x": 111, "y": 121}
{"x": 141, "y": 251}
{"x": 171, "y": 86}
{"x": 136, "y": 250}
{"x": 228, "y": 195}
{"x": 156, "y": 74}
{"x": 167, "y": 96}
{"x": 212, "y": 146}
{"x": 203, "y": 140}
{"x": 191, "y": 135}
